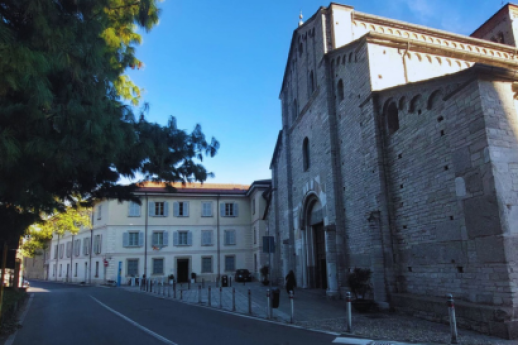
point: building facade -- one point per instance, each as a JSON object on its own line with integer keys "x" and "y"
{"x": 209, "y": 230}
{"x": 399, "y": 153}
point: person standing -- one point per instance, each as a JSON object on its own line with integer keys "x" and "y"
{"x": 291, "y": 283}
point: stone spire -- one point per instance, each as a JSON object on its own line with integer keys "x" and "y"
{"x": 300, "y": 17}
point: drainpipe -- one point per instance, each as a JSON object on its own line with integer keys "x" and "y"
{"x": 145, "y": 237}
{"x": 219, "y": 251}
{"x": 91, "y": 245}
{"x": 71, "y": 257}
{"x": 404, "y": 61}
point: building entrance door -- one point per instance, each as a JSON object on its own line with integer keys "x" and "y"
{"x": 320, "y": 256}
{"x": 182, "y": 270}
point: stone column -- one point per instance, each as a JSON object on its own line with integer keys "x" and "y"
{"x": 331, "y": 261}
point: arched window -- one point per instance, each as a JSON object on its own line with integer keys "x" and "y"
{"x": 340, "y": 90}
{"x": 392, "y": 118}
{"x": 305, "y": 153}
{"x": 311, "y": 85}
{"x": 295, "y": 110}
{"x": 301, "y": 48}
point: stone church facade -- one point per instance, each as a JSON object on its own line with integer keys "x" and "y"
{"x": 399, "y": 153}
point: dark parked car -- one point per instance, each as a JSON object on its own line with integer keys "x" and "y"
{"x": 243, "y": 275}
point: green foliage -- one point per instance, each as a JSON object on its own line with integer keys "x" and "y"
{"x": 39, "y": 234}
{"x": 359, "y": 282}
{"x": 64, "y": 127}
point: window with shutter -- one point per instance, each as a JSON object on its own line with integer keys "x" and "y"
{"x": 159, "y": 209}
{"x": 253, "y": 206}
{"x": 134, "y": 209}
{"x": 206, "y": 209}
{"x": 69, "y": 249}
{"x": 97, "y": 244}
{"x": 230, "y": 237}
{"x": 56, "y": 251}
{"x": 99, "y": 212}
{"x": 61, "y": 250}
{"x": 206, "y": 265}
{"x": 158, "y": 238}
{"x": 229, "y": 209}
{"x": 77, "y": 247}
{"x": 255, "y": 236}
{"x": 133, "y": 239}
{"x": 182, "y": 238}
{"x": 206, "y": 238}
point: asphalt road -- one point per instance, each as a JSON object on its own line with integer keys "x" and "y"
{"x": 68, "y": 314}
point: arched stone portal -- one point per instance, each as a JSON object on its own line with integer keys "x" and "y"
{"x": 318, "y": 254}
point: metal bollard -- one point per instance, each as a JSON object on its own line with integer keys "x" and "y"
{"x": 140, "y": 284}
{"x": 168, "y": 290}
{"x": 292, "y": 308}
{"x": 174, "y": 290}
{"x": 249, "y": 301}
{"x": 220, "y": 298}
{"x": 348, "y": 311}
{"x": 268, "y": 304}
{"x": 209, "y": 297}
{"x": 233, "y": 299}
{"x": 199, "y": 294}
{"x": 453, "y": 322}
{"x": 230, "y": 281}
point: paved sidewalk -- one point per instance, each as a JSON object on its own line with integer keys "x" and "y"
{"x": 315, "y": 311}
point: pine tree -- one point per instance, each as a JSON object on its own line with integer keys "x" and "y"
{"x": 65, "y": 126}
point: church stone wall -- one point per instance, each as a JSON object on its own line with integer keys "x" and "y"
{"x": 443, "y": 185}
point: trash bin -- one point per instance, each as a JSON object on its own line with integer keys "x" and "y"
{"x": 224, "y": 280}
{"x": 276, "y": 294}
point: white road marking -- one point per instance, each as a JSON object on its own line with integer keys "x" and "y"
{"x": 10, "y": 340}
{"x": 352, "y": 341}
{"x": 148, "y": 331}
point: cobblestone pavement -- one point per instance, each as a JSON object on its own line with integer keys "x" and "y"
{"x": 314, "y": 310}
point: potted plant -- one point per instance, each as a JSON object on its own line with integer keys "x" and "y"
{"x": 171, "y": 279}
{"x": 359, "y": 282}
{"x": 193, "y": 277}
{"x": 264, "y": 273}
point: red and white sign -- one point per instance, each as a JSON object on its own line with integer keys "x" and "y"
{"x": 105, "y": 263}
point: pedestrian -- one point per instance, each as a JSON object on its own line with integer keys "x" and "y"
{"x": 291, "y": 282}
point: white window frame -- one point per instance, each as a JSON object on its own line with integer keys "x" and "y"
{"x": 153, "y": 266}
{"x": 133, "y": 234}
{"x": 157, "y": 233}
{"x": 180, "y": 232}
{"x": 97, "y": 244}
{"x": 202, "y": 264}
{"x": 128, "y": 266}
{"x": 229, "y": 209}
{"x": 204, "y": 234}
{"x": 230, "y": 256}
{"x": 77, "y": 248}
{"x": 159, "y": 206}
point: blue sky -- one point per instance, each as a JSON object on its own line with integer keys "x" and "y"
{"x": 221, "y": 63}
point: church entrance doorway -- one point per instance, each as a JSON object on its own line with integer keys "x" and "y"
{"x": 320, "y": 256}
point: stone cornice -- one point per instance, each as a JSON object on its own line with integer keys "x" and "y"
{"x": 418, "y": 29}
